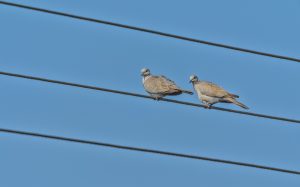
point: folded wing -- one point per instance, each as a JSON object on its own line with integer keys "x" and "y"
{"x": 212, "y": 90}
{"x": 161, "y": 85}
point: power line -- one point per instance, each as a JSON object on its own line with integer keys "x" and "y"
{"x": 146, "y": 96}
{"x": 139, "y": 149}
{"x": 150, "y": 31}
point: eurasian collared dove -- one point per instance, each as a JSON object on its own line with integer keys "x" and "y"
{"x": 210, "y": 93}
{"x": 160, "y": 86}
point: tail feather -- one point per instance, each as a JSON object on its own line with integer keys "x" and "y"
{"x": 187, "y": 92}
{"x": 233, "y": 95}
{"x": 232, "y": 100}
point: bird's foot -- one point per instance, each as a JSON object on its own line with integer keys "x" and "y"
{"x": 207, "y": 106}
{"x": 156, "y": 98}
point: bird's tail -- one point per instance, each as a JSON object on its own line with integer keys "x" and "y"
{"x": 232, "y": 100}
{"x": 233, "y": 95}
{"x": 187, "y": 92}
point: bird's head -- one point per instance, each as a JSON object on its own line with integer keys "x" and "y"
{"x": 193, "y": 78}
{"x": 145, "y": 72}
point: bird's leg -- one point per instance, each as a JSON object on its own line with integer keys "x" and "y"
{"x": 156, "y": 97}
{"x": 207, "y": 105}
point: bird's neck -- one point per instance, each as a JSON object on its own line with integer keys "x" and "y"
{"x": 145, "y": 78}
{"x": 195, "y": 82}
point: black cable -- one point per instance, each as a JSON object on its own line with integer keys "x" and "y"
{"x": 145, "y": 96}
{"x": 148, "y": 150}
{"x": 150, "y": 31}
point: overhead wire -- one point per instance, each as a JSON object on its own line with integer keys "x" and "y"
{"x": 145, "y": 96}
{"x": 153, "y": 151}
{"x": 115, "y": 146}
{"x": 150, "y": 31}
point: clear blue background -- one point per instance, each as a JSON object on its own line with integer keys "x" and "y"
{"x": 60, "y": 48}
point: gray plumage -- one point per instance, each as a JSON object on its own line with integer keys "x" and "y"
{"x": 210, "y": 93}
{"x": 160, "y": 86}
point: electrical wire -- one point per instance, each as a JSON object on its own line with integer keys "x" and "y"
{"x": 145, "y": 96}
{"x": 115, "y": 146}
{"x": 150, "y": 31}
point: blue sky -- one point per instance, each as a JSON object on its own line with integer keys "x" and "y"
{"x": 60, "y": 48}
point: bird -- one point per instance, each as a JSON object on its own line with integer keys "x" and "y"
{"x": 160, "y": 86}
{"x": 210, "y": 93}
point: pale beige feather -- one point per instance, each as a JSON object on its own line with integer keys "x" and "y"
{"x": 211, "y": 89}
{"x": 161, "y": 84}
